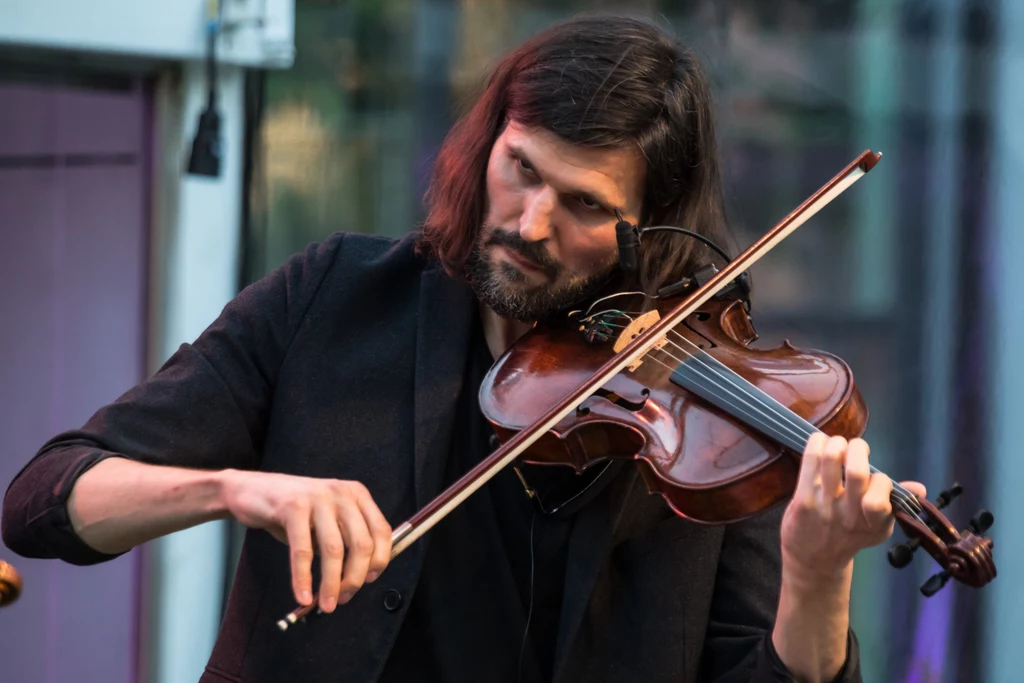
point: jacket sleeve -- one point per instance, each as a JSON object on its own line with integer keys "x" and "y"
{"x": 738, "y": 648}
{"x": 205, "y": 408}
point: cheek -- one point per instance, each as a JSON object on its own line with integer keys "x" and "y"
{"x": 592, "y": 249}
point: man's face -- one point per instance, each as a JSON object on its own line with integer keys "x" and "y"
{"x": 548, "y": 238}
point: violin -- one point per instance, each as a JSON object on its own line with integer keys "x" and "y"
{"x": 715, "y": 426}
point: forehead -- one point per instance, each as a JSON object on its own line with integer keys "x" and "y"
{"x": 617, "y": 174}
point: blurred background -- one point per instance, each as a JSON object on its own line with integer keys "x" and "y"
{"x": 127, "y": 221}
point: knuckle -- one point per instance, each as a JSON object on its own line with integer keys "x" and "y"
{"x": 332, "y": 548}
{"x": 815, "y": 442}
{"x": 850, "y": 524}
{"x": 321, "y": 494}
{"x": 833, "y": 454}
{"x": 805, "y": 506}
{"x": 362, "y": 544}
{"x": 878, "y": 509}
{"x": 302, "y": 554}
{"x": 836, "y": 446}
{"x": 357, "y": 488}
{"x": 857, "y": 475}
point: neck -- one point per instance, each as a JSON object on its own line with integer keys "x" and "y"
{"x": 499, "y": 332}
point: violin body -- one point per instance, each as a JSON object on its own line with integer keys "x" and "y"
{"x": 705, "y": 463}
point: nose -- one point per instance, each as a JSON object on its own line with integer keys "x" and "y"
{"x": 538, "y": 209}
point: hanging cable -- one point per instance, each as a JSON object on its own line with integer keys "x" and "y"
{"x": 205, "y": 159}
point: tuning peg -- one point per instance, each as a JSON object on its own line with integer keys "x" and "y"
{"x": 980, "y": 522}
{"x": 947, "y": 496}
{"x": 935, "y": 583}
{"x": 902, "y": 554}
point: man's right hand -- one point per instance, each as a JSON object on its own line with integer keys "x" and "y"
{"x": 337, "y": 519}
{"x": 118, "y": 504}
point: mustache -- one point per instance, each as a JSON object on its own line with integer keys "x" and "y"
{"x": 533, "y": 252}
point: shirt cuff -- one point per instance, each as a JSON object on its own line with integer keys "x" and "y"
{"x": 53, "y": 529}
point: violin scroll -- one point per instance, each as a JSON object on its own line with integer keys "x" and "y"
{"x": 965, "y": 555}
{"x": 10, "y": 584}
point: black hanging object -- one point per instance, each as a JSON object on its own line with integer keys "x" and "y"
{"x": 205, "y": 159}
{"x": 206, "y": 147}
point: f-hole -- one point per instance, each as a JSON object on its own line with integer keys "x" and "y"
{"x": 618, "y": 400}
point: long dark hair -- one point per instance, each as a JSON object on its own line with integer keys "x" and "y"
{"x": 599, "y": 81}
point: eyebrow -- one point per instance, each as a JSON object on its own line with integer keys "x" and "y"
{"x": 594, "y": 196}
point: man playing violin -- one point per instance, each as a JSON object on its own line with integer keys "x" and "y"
{"x": 338, "y": 395}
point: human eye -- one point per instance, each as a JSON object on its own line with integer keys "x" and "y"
{"x": 524, "y": 166}
{"x": 589, "y": 203}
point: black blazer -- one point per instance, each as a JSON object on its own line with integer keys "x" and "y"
{"x": 346, "y": 362}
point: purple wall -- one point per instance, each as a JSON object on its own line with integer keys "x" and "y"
{"x": 72, "y": 321}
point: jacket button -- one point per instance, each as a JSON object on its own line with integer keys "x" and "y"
{"x": 392, "y": 600}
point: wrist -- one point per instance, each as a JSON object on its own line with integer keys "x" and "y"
{"x": 812, "y": 623}
{"x": 815, "y": 581}
{"x": 222, "y": 482}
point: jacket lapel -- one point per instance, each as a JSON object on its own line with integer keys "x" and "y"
{"x": 589, "y": 544}
{"x": 442, "y": 342}
{"x": 446, "y": 312}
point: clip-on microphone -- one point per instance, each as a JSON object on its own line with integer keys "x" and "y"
{"x": 628, "y": 237}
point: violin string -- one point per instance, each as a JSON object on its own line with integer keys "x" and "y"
{"x": 783, "y": 415}
{"x": 900, "y": 502}
{"x": 798, "y": 424}
{"x": 786, "y": 419}
{"x": 757, "y": 415}
{"x": 782, "y": 421}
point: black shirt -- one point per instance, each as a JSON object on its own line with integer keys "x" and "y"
{"x": 477, "y": 582}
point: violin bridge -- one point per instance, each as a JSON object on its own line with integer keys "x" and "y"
{"x": 634, "y": 330}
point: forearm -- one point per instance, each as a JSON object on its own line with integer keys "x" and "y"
{"x": 119, "y": 503}
{"x": 812, "y": 625}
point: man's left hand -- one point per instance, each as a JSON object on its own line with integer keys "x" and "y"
{"x": 829, "y": 520}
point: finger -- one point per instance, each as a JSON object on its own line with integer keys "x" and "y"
{"x": 380, "y": 531}
{"x": 810, "y": 468}
{"x": 300, "y": 545}
{"x": 876, "y": 506}
{"x": 915, "y": 487}
{"x": 858, "y": 475}
{"x": 332, "y": 554}
{"x": 833, "y": 457}
{"x": 359, "y": 544}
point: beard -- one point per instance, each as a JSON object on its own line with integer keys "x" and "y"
{"x": 504, "y": 289}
